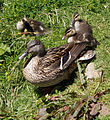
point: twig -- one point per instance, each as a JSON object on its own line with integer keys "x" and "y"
{"x": 81, "y": 75}
{"x": 101, "y": 80}
{"x": 15, "y": 65}
{"x": 8, "y": 114}
{"x": 98, "y": 94}
{"x": 27, "y": 33}
{"x": 63, "y": 22}
{"x": 50, "y": 19}
{"x": 56, "y": 14}
{"x": 47, "y": 14}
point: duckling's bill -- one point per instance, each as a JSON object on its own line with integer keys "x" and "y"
{"x": 63, "y": 37}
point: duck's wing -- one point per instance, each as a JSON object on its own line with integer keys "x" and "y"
{"x": 28, "y": 27}
{"x": 52, "y": 59}
{"x": 87, "y": 55}
{"x": 88, "y": 37}
{"x": 74, "y": 53}
{"x": 39, "y": 27}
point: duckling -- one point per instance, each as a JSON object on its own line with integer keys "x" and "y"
{"x": 82, "y": 44}
{"x": 43, "y": 67}
{"x": 32, "y": 26}
{"x": 77, "y": 37}
{"x": 82, "y": 27}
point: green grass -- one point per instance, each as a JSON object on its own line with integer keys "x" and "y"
{"x": 19, "y": 100}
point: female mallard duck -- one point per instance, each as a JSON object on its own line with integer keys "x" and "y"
{"x": 43, "y": 67}
{"x": 32, "y": 26}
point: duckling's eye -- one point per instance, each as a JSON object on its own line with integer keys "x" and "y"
{"x": 73, "y": 31}
{"x": 76, "y": 16}
{"x": 68, "y": 31}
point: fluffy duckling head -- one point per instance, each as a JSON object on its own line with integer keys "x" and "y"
{"x": 70, "y": 31}
{"x": 76, "y": 16}
{"x": 21, "y": 24}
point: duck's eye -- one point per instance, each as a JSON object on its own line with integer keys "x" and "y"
{"x": 68, "y": 31}
{"x": 76, "y": 16}
{"x": 33, "y": 43}
{"x": 73, "y": 31}
{"x": 31, "y": 46}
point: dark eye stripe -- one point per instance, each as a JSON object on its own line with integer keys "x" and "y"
{"x": 68, "y": 31}
{"x": 76, "y": 16}
{"x": 32, "y": 46}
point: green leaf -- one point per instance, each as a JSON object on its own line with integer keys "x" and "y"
{"x": 4, "y": 48}
{"x": 1, "y": 60}
{"x": 80, "y": 73}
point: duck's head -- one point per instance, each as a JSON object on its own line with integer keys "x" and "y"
{"x": 21, "y": 24}
{"x": 70, "y": 31}
{"x": 35, "y": 47}
{"x": 76, "y": 16}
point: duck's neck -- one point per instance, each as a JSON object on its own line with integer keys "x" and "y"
{"x": 77, "y": 25}
{"x": 70, "y": 39}
{"x": 40, "y": 54}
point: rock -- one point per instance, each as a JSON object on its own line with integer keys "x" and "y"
{"x": 91, "y": 73}
{"x": 104, "y": 111}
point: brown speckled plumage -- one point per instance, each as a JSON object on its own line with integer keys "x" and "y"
{"x": 32, "y": 26}
{"x": 82, "y": 27}
{"x": 82, "y": 42}
{"x": 45, "y": 71}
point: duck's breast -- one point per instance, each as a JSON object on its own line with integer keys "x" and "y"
{"x": 29, "y": 69}
{"x": 77, "y": 26}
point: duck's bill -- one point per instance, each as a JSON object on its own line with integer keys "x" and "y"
{"x": 63, "y": 37}
{"x": 23, "y": 55}
{"x": 71, "y": 25}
